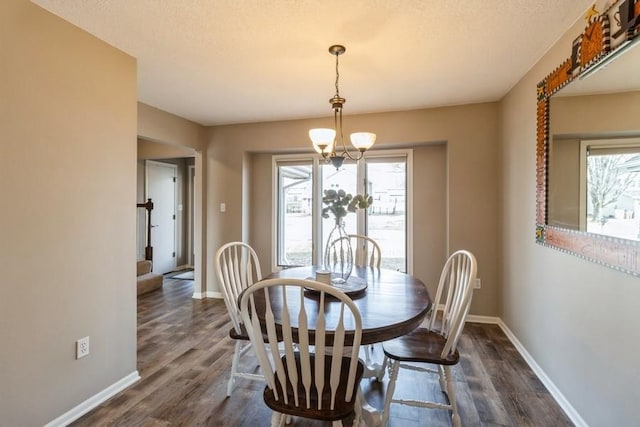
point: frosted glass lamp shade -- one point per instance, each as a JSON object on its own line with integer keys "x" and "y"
{"x": 363, "y": 140}
{"x": 322, "y": 139}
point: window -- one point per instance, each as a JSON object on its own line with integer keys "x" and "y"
{"x": 387, "y": 218}
{"x": 610, "y": 192}
{"x": 345, "y": 179}
{"x": 295, "y": 207}
{"x": 301, "y": 232}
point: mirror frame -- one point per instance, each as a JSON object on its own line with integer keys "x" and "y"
{"x": 620, "y": 254}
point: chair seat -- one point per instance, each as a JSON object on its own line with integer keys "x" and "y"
{"x": 239, "y": 336}
{"x": 342, "y": 408}
{"x": 421, "y": 345}
{"x": 244, "y": 336}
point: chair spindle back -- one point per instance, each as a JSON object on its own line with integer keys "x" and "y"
{"x": 296, "y": 319}
{"x": 238, "y": 267}
{"x": 457, "y": 280}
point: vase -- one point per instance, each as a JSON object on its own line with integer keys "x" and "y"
{"x": 338, "y": 256}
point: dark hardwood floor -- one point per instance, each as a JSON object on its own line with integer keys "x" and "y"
{"x": 184, "y": 357}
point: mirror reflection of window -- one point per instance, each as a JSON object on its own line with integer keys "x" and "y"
{"x": 605, "y": 105}
{"x": 612, "y": 189}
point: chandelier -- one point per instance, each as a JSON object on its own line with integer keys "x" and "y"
{"x": 324, "y": 140}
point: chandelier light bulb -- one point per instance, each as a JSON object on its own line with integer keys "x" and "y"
{"x": 363, "y": 140}
{"x": 322, "y": 139}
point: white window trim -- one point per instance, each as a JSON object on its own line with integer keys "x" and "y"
{"x": 317, "y": 185}
{"x": 275, "y": 229}
{"x": 408, "y": 153}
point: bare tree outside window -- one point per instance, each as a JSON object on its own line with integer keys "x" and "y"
{"x": 613, "y": 194}
{"x": 608, "y": 179}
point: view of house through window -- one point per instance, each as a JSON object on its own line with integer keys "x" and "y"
{"x": 300, "y": 185}
{"x": 295, "y": 206}
{"x": 387, "y": 217}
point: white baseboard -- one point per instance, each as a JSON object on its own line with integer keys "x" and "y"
{"x": 212, "y": 294}
{"x": 555, "y": 392}
{"x": 472, "y": 318}
{"x": 208, "y": 294}
{"x": 95, "y": 400}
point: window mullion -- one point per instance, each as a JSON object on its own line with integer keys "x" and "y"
{"x": 362, "y": 189}
{"x": 317, "y": 208}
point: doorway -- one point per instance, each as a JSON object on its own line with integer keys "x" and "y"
{"x": 188, "y": 206}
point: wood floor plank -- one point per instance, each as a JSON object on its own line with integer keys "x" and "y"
{"x": 184, "y": 359}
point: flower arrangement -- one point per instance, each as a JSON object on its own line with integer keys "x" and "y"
{"x": 340, "y": 203}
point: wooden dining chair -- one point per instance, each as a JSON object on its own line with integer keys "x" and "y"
{"x": 237, "y": 267}
{"x": 318, "y": 374}
{"x": 437, "y": 343}
{"x": 367, "y": 252}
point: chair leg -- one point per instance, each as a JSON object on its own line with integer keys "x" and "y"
{"x": 451, "y": 394}
{"x": 357, "y": 419}
{"x": 366, "y": 415}
{"x": 337, "y": 423}
{"x": 380, "y": 368}
{"x": 394, "y": 368}
{"x": 385, "y": 362}
{"x": 277, "y": 419}
{"x": 367, "y": 354}
{"x": 442, "y": 378}
{"x": 234, "y": 367}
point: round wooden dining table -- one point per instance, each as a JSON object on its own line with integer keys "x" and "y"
{"x": 392, "y": 304}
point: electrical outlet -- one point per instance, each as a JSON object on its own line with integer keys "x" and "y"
{"x": 478, "y": 284}
{"x": 82, "y": 347}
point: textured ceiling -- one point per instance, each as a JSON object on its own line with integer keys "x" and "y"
{"x": 236, "y": 61}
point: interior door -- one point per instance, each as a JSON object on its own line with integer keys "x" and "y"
{"x": 161, "y": 189}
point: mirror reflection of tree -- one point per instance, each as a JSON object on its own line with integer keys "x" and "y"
{"x": 613, "y": 194}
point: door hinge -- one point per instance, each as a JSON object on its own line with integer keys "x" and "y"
{"x": 174, "y": 216}
{"x": 173, "y": 254}
{"x": 174, "y": 179}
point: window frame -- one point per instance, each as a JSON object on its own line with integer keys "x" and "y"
{"x": 600, "y": 146}
{"x": 317, "y": 179}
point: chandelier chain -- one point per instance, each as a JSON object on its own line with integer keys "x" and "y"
{"x": 337, "y": 76}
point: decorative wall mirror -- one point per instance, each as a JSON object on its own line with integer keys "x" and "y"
{"x": 588, "y": 143}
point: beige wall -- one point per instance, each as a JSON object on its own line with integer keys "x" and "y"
{"x": 430, "y": 213}
{"x": 612, "y": 114}
{"x": 159, "y": 126}
{"x": 471, "y": 135}
{"x": 577, "y": 319}
{"x": 67, "y": 227}
{"x": 261, "y": 211}
{"x": 564, "y": 183}
{"x": 149, "y": 150}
